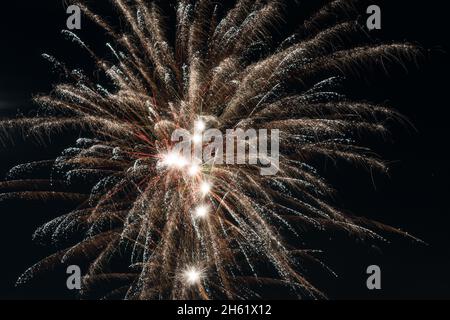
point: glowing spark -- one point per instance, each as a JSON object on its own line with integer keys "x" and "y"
{"x": 200, "y": 126}
{"x": 194, "y": 170}
{"x": 205, "y": 188}
{"x": 197, "y": 138}
{"x": 192, "y": 276}
{"x": 174, "y": 160}
{"x": 201, "y": 212}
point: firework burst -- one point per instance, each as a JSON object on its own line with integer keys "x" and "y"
{"x": 158, "y": 226}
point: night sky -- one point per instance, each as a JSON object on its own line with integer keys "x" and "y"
{"x": 414, "y": 197}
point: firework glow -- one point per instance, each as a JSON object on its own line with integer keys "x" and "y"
{"x": 160, "y": 226}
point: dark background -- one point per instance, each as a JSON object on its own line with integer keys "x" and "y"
{"x": 413, "y": 197}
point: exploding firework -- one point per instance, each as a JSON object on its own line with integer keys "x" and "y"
{"x": 159, "y": 226}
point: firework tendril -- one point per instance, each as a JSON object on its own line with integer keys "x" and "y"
{"x": 208, "y": 231}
